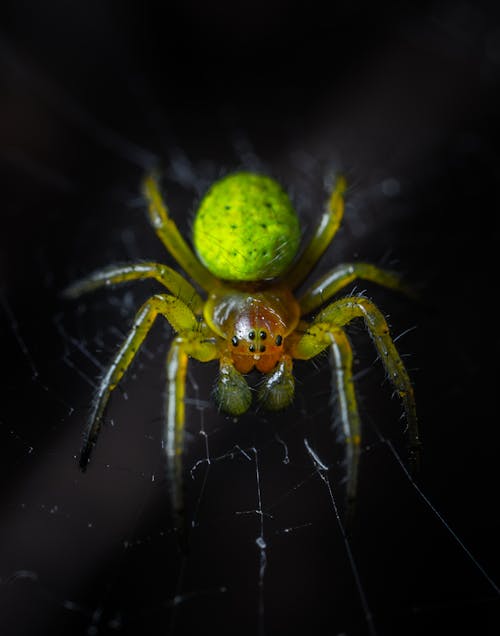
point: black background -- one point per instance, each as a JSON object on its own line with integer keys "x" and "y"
{"x": 405, "y": 103}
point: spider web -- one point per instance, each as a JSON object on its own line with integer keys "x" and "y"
{"x": 270, "y": 552}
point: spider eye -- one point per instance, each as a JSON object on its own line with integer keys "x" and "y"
{"x": 251, "y": 335}
{"x": 262, "y": 348}
{"x": 279, "y": 340}
{"x": 251, "y": 348}
{"x": 263, "y": 335}
{"x": 234, "y": 340}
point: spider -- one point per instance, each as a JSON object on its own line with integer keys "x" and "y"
{"x": 246, "y": 235}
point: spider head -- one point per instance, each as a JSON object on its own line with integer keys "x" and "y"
{"x": 257, "y": 338}
{"x": 253, "y": 322}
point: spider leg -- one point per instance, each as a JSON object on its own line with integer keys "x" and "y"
{"x": 342, "y": 312}
{"x": 341, "y": 358}
{"x": 343, "y": 274}
{"x": 349, "y": 415}
{"x": 114, "y": 274}
{"x": 170, "y": 236}
{"x": 178, "y": 315}
{"x": 185, "y": 345}
{"x": 326, "y": 230}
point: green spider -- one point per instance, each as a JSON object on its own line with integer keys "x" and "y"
{"x": 246, "y": 235}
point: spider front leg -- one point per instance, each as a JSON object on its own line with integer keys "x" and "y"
{"x": 341, "y": 312}
{"x": 308, "y": 347}
{"x": 187, "y": 344}
{"x": 179, "y": 316}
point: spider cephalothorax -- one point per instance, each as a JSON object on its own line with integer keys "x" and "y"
{"x": 246, "y": 235}
{"x": 254, "y": 324}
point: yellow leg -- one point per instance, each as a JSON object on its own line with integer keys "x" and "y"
{"x": 348, "y": 407}
{"x": 342, "y": 357}
{"x": 343, "y": 311}
{"x": 336, "y": 279}
{"x": 326, "y": 230}
{"x": 179, "y": 316}
{"x": 173, "y": 437}
{"x": 171, "y": 238}
{"x": 185, "y": 345}
{"x": 115, "y": 274}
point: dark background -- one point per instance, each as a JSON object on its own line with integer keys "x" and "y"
{"x": 405, "y": 103}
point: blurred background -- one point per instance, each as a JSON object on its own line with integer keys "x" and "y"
{"x": 405, "y": 103}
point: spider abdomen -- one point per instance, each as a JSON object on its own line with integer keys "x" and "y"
{"x": 246, "y": 228}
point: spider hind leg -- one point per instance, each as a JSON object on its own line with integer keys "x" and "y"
{"x": 169, "y": 235}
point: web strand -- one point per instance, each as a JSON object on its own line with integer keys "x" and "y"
{"x": 322, "y": 471}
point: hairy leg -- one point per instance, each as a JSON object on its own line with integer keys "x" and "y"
{"x": 180, "y": 317}
{"x": 340, "y": 313}
{"x": 114, "y": 274}
{"x": 326, "y": 230}
{"x": 348, "y": 408}
{"x": 170, "y": 236}
{"x": 343, "y": 274}
{"x": 341, "y": 358}
{"x": 188, "y": 344}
